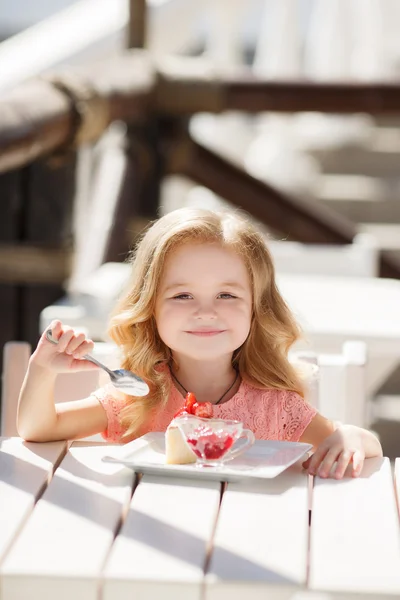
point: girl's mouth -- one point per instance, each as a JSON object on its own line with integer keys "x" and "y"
{"x": 206, "y": 332}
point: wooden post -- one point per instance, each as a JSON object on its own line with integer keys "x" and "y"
{"x": 137, "y": 24}
{"x": 11, "y": 187}
{"x": 47, "y": 221}
{"x": 139, "y": 198}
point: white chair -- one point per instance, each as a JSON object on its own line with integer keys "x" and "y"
{"x": 342, "y": 385}
{"x": 69, "y": 386}
{"x": 15, "y": 362}
{"x": 337, "y": 387}
{"x": 307, "y": 364}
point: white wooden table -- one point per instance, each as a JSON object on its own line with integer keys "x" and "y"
{"x": 332, "y": 310}
{"x": 93, "y": 530}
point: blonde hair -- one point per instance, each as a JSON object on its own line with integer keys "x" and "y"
{"x": 263, "y": 358}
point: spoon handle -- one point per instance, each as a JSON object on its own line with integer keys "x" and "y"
{"x": 99, "y": 364}
{"x": 50, "y": 338}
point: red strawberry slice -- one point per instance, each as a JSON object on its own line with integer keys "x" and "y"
{"x": 190, "y": 400}
{"x": 204, "y": 410}
{"x": 192, "y": 407}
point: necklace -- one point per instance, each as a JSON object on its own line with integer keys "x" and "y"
{"x": 186, "y": 391}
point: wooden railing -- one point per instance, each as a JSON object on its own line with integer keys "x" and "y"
{"x": 43, "y": 114}
{"x": 45, "y": 120}
{"x": 53, "y": 114}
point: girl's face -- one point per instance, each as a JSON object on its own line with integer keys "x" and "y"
{"x": 204, "y": 303}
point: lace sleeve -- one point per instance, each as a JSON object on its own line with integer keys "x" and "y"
{"x": 112, "y": 406}
{"x": 295, "y": 415}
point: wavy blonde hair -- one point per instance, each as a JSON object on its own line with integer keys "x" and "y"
{"x": 263, "y": 358}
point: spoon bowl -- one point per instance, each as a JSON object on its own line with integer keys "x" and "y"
{"x": 123, "y": 380}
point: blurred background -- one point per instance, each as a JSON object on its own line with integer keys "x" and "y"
{"x": 114, "y": 112}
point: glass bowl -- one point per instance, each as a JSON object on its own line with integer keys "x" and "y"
{"x": 212, "y": 440}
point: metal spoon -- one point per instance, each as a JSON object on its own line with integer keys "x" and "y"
{"x": 123, "y": 380}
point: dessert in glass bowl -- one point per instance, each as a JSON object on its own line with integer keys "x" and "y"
{"x": 212, "y": 440}
{"x": 194, "y": 436}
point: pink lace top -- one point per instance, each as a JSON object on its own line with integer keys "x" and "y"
{"x": 271, "y": 414}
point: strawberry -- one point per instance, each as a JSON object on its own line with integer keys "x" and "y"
{"x": 204, "y": 410}
{"x": 192, "y": 407}
{"x": 190, "y": 400}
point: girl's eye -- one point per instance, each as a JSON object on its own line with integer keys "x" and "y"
{"x": 226, "y": 296}
{"x": 182, "y": 297}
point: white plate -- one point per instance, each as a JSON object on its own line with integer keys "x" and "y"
{"x": 265, "y": 459}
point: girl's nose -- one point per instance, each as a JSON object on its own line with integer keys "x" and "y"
{"x": 205, "y": 311}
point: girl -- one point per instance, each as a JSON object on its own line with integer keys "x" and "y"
{"x": 201, "y": 313}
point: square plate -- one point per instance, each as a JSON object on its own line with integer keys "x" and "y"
{"x": 265, "y": 459}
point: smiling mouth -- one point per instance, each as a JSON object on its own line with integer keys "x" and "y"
{"x": 204, "y": 333}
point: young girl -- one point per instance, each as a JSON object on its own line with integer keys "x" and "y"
{"x": 201, "y": 313}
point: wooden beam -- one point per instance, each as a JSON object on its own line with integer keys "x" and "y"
{"x": 188, "y": 85}
{"x": 76, "y": 105}
{"x": 389, "y": 266}
{"x": 48, "y": 114}
{"x": 25, "y": 264}
{"x": 297, "y": 220}
{"x": 298, "y": 96}
{"x": 29, "y": 129}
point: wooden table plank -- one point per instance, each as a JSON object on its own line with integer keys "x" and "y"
{"x": 261, "y": 539}
{"x": 355, "y": 542}
{"x": 25, "y": 470}
{"x": 62, "y": 549}
{"x": 162, "y": 548}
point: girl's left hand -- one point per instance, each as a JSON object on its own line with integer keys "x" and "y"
{"x": 343, "y": 446}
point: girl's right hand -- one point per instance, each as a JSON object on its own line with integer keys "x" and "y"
{"x": 66, "y": 356}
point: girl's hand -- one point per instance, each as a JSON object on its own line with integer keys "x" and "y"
{"x": 343, "y": 446}
{"x": 67, "y": 355}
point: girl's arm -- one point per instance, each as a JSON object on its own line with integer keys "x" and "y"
{"x": 318, "y": 430}
{"x": 38, "y": 418}
{"x": 340, "y": 444}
